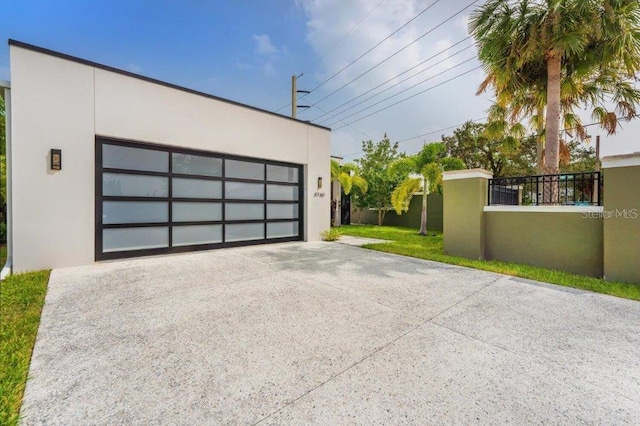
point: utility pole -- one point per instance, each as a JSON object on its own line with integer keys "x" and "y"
{"x": 294, "y": 95}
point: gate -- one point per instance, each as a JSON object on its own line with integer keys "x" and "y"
{"x": 345, "y": 214}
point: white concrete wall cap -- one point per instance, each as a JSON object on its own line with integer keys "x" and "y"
{"x": 545, "y": 209}
{"x": 626, "y": 160}
{"x": 467, "y": 174}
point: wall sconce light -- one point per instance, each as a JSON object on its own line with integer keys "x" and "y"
{"x": 319, "y": 183}
{"x": 56, "y": 159}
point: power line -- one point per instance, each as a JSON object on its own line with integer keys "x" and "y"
{"x": 412, "y": 96}
{"x": 441, "y": 130}
{"x": 378, "y": 44}
{"x": 354, "y": 128}
{"x": 404, "y": 72}
{"x": 477, "y": 119}
{"x": 402, "y": 91}
{"x": 423, "y": 135}
{"x": 327, "y": 52}
{"x": 344, "y": 36}
{"x": 273, "y": 93}
{"x": 392, "y": 55}
{"x": 397, "y": 84}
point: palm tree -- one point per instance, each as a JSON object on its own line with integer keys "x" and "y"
{"x": 516, "y": 102}
{"x": 428, "y": 164}
{"x": 568, "y": 51}
{"x": 347, "y": 176}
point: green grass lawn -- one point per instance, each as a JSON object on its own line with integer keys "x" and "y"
{"x": 407, "y": 242}
{"x": 21, "y": 300}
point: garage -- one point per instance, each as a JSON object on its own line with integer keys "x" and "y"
{"x": 153, "y": 200}
{"x": 106, "y": 164}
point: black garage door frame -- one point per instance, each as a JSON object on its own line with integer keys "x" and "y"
{"x": 100, "y": 254}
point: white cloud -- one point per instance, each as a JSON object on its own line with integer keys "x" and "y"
{"x": 462, "y": 24}
{"x": 439, "y": 107}
{"x": 449, "y": 104}
{"x": 264, "y": 46}
{"x": 266, "y": 54}
{"x": 269, "y": 69}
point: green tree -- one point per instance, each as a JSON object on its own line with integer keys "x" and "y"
{"x": 522, "y": 96}
{"x": 376, "y": 169}
{"x": 477, "y": 148}
{"x": 581, "y": 158}
{"x": 348, "y": 177}
{"x": 588, "y": 47}
{"x": 429, "y": 164}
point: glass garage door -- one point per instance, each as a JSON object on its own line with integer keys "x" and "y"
{"x": 153, "y": 200}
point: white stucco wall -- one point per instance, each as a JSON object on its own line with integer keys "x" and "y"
{"x": 58, "y": 103}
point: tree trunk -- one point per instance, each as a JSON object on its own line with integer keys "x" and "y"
{"x": 423, "y": 218}
{"x": 380, "y": 217}
{"x": 336, "y": 214}
{"x": 540, "y": 143}
{"x": 552, "y": 143}
{"x": 552, "y": 140}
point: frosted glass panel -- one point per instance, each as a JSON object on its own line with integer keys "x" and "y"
{"x": 243, "y": 211}
{"x": 243, "y": 232}
{"x": 124, "y": 157}
{"x": 244, "y": 170}
{"x": 282, "y": 211}
{"x": 195, "y": 212}
{"x": 282, "y": 173}
{"x": 281, "y": 192}
{"x": 117, "y": 184}
{"x": 196, "y": 188}
{"x": 134, "y": 238}
{"x": 244, "y": 191}
{"x": 196, "y": 234}
{"x": 282, "y": 229}
{"x": 134, "y": 212}
{"x": 196, "y": 165}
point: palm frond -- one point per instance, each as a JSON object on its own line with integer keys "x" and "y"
{"x": 401, "y": 196}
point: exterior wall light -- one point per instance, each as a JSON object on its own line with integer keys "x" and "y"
{"x": 56, "y": 159}
{"x": 320, "y": 183}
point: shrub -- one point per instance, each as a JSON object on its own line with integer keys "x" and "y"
{"x": 3, "y": 232}
{"x": 332, "y": 234}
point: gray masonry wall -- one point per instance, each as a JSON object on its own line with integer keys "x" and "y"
{"x": 563, "y": 241}
{"x": 597, "y": 241}
{"x": 409, "y": 219}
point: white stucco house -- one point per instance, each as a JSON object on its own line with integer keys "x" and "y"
{"x": 106, "y": 164}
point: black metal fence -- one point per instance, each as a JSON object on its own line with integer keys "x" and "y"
{"x": 568, "y": 189}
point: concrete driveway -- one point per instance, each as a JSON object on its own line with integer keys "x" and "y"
{"x": 329, "y": 334}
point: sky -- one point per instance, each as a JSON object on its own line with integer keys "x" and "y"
{"x": 402, "y": 67}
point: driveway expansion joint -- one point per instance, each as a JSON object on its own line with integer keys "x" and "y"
{"x": 376, "y": 351}
{"x": 260, "y": 342}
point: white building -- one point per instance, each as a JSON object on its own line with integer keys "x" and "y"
{"x": 147, "y": 167}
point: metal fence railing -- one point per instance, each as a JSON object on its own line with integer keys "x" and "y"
{"x": 569, "y": 189}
